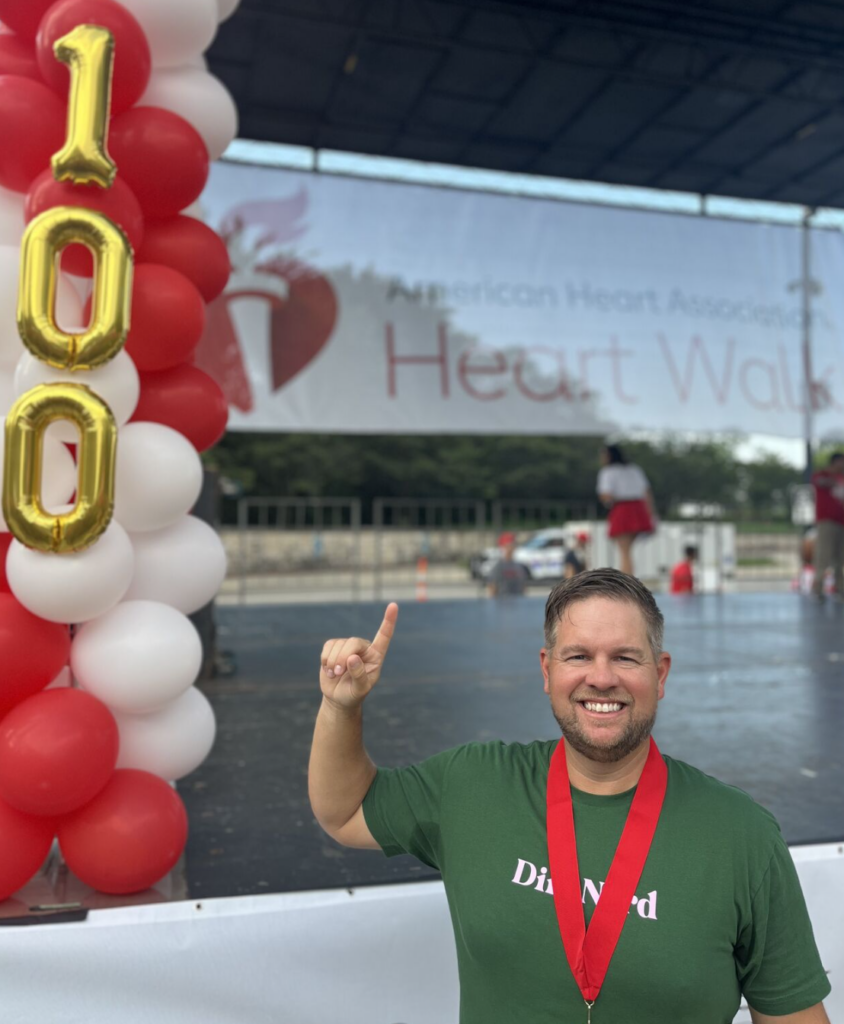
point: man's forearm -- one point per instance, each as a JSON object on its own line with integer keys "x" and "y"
{"x": 340, "y": 771}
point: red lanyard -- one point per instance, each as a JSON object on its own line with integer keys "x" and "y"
{"x": 589, "y": 951}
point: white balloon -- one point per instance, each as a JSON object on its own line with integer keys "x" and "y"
{"x": 68, "y": 306}
{"x": 7, "y": 391}
{"x": 171, "y": 742}
{"x": 176, "y": 30}
{"x": 58, "y": 477}
{"x": 75, "y": 587}
{"x": 201, "y": 99}
{"x": 158, "y": 479}
{"x": 11, "y": 217}
{"x": 138, "y": 656}
{"x": 226, "y": 8}
{"x": 117, "y": 383}
{"x": 182, "y": 565}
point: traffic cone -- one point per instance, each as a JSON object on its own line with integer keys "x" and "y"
{"x": 422, "y": 578}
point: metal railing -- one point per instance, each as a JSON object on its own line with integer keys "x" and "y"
{"x": 305, "y": 549}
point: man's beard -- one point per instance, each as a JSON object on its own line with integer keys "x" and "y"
{"x": 635, "y": 733}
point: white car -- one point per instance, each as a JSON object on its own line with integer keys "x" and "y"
{"x": 542, "y": 555}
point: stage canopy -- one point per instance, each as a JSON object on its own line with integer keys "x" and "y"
{"x": 739, "y": 98}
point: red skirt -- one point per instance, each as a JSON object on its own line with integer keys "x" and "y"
{"x": 630, "y": 517}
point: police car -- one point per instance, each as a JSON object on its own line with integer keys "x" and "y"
{"x": 542, "y": 554}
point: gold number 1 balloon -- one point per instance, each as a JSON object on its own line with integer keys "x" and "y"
{"x": 23, "y": 510}
{"x": 89, "y": 52}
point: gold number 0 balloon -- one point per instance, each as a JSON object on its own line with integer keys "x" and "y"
{"x": 44, "y": 237}
{"x": 89, "y": 51}
{"x": 23, "y": 510}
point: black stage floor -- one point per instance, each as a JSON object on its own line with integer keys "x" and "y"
{"x": 755, "y": 698}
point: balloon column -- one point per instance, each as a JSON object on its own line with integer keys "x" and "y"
{"x": 109, "y": 122}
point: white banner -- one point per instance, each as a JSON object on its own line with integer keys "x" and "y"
{"x": 377, "y": 955}
{"x": 368, "y": 306}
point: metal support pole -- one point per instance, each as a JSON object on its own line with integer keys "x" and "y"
{"x": 808, "y": 389}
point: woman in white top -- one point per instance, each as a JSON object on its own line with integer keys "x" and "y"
{"x": 624, "y": 489}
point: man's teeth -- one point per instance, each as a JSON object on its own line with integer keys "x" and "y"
{"x": 594, "y": 706}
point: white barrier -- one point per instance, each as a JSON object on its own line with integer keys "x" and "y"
{"x": 655, "y": 556}
{"x": 380, "y": 955}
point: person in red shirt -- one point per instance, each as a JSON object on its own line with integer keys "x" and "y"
{"x": 829, "y": 517}
{"x": 682, "y": 579}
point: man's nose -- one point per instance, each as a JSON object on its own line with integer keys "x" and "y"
{"x": 600, "y": 672}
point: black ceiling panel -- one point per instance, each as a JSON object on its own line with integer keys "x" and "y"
{"x": 738, "y": 97}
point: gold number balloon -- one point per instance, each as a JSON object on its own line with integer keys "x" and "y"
{"x": 43, "y": 239}
{"x": 23, "y": 510}
{"x": 89, "y": 52}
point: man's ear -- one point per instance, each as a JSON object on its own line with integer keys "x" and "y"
{"x": 545, "y": 662}
{"x": 663, "y": 667}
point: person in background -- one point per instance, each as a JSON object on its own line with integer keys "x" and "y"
{"x": 575, "y": 560}
{"x": 682, "y": 576}
{"x": 624, "y": 489}
{"x": 508, "y": 577}
{"x": 829, "y": 517}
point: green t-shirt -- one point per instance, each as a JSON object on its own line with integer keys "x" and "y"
{"x": 718, "y": 910}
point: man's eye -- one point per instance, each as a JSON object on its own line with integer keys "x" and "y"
{"x": 576, "y": 657}
{"x": 624, "y": 657}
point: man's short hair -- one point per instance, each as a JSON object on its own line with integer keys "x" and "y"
{"x": 690, "y": 551}
{"x": 834, "y": 456}
{"x": 610, "y": 583}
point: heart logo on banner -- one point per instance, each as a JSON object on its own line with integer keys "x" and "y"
{"x": 301, "y": 324}
{"x": 300, "y": 327}
{"x": 302, "y": 303}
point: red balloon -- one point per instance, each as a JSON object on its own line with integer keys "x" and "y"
{"x": 32, "y": 128}
{"x": 187, "y": 400}
{"x": 17, "y": 57}
{"x": 191, "y": 247}
{"x": 168, "y": 318}
{"x": 161, "y": 157}
{"x": 24, "y": 17}
{"x": 129, "y": 836}
{"x": 57, "y": 751}
{"x": 118, "y": 204}
{"x": 24, "y": 845}
{"x": 132, "y": 64}
{"x": 32, "y": 652}
{"x": 5, "y": 542}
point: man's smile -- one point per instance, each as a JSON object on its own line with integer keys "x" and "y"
{"x": 604, "y": 709}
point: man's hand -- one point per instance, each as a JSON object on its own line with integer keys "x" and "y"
{"x": 350, "y": 668}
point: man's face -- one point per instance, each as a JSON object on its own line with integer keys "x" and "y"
{"x": 602, "y": 660}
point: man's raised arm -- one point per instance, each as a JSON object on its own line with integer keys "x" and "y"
{"x": 340, "y": 771}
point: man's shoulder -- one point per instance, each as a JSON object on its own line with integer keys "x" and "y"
{"x": 709, "y": 798}
{"x": 535, "y": 754}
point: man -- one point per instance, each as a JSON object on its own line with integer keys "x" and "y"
{"x": 682, "y": 575}
{"x": 829, "y": 516}
{"x": 702, "y": 904}
{"x": 575, "y": 560}
{"x": 508, "y": 577}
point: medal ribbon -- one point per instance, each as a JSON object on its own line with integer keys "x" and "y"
{"x": 589, "y": 951}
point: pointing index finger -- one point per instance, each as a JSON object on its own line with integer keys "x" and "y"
{"x": 385, "y": 631}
